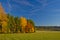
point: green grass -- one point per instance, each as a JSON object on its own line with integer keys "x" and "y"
{"x": 39, "y": 35}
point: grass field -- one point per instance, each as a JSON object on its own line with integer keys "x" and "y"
{"x": 39, "y": 35}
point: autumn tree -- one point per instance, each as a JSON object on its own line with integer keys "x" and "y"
{"x": 31, "y": 21}
{"x": 30, "y": 25}
{"x": 3, "y": 20}
{"x": 23, "y": 23}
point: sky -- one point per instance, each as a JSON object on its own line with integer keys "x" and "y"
{"x": 42, "y": 12}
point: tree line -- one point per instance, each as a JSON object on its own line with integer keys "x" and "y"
{"x": 11, "y": 24}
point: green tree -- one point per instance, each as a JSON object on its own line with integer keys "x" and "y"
{"x": 17, "y": 24}
{"x": 10, "y": 23}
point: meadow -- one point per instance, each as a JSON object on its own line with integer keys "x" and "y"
{"x": 39, "y": 35}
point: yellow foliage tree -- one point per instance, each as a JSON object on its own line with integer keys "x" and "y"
{"x": 3, "y": 19}
{"x": 23, "y": 23}
{"x": 30, "y": 26}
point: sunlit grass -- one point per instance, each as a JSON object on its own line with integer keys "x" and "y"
{"x": 40, "y": 35}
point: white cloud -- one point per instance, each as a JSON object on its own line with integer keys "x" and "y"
{"x": 23, "y": 2}
{"x": 40, "y": 7}
{"x": 56, "y": 10}
{"x": 43, "y": 2}
{"x": 9, "y": 6}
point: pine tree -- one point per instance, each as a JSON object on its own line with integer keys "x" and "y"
{"x": 11, "y": 22}
{"x": 17, "y": 24}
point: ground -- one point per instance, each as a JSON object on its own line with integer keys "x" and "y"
{"x": 39, "y": 35}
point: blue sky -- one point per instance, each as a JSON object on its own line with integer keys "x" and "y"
{"x": 42, "y": 12}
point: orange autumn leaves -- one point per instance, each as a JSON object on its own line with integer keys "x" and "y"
{"x": 23, "y": 22}
{"x": 3, "y": 19}
{"x": 26, "y": 25}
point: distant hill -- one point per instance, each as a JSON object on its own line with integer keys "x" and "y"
{"x": 48, "y": 28}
